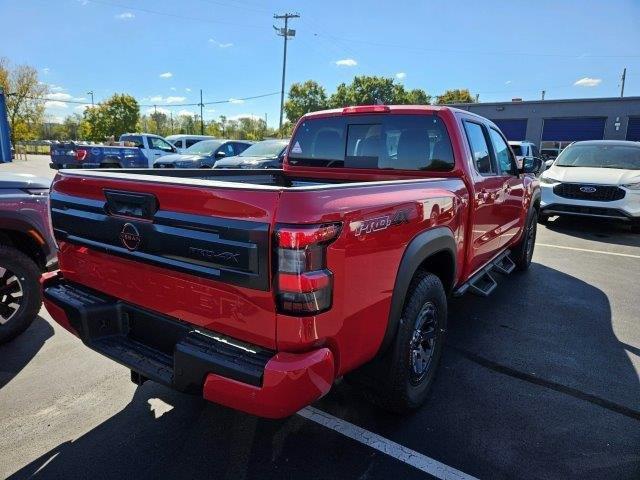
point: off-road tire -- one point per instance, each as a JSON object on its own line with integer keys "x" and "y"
{"x": 28, "y": 274}
{"x": 396, "y": 390}
{"x": 522, "y": 253}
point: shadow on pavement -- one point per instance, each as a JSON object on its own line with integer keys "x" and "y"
{"x": 596, "y": 229}
{"x": 479, "y": 418}
{"x": 19, "y": 352}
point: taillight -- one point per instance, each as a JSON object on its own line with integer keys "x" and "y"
{"x": 81, "y": 154}
{"x": 304, "y": 284}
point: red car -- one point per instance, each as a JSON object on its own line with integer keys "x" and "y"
{"x": 257, "y": 289}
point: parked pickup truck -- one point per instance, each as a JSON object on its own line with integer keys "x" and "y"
{"x": 139, "y": 150}
{"x": 257, "y": 289}
{"x": 72, "y": 155}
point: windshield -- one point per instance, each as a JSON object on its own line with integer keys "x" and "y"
{"x": 266, "y": 149}
{"x": 600, "y": 156}
{"x": 203, "y": 148}
{"x": 403, "y": 142}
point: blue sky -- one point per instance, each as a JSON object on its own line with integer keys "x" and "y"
{"x": 164, "y": 51}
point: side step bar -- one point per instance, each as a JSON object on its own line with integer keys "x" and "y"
{"x": 482, "y": 283}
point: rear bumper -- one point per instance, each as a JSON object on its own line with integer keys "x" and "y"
{"x": 160, "y": 348}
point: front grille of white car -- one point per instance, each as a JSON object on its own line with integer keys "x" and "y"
{"x": 594, "y": 193}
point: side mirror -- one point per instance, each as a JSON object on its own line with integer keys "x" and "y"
{"x": 531, "y": 165}
{"x": 220, "y": 154}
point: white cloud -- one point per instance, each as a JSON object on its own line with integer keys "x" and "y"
{"x": 220, "y": 45}
{"x": 170, "y": 99}
{"x": 346, "y": 62}
{"x": 188, "y": 113}
{"x": 83, "y": 2}
{"x": 588, "y": 82}
{"x": 46, "y": 70}
{"x": 126, "y": 16}
{"x": 59, "y": 96}
{"x": 151, "y": 110}
{"x": 235, "y": 100}
{"x": 401, "y": 75}
{"x": 55, "y": 104}
{"x": 166, "y": 75}
{"x": 187, "y": 90}
{"x": 210, "y": 110}
{"x": 82, "y": 108}
{"x": 55, "y": 88}
{"x": 508, "y": 82}
{"x": 173, "y": 89}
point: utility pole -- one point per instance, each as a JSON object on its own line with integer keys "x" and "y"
{"x": 624, "y": 77}
{"x": 477, "y": 97}
{"x": 171, "y": 116}
{"x": 543, "y": 92}
{"x": 91, "y": 93}
{"x": 286, "y": 33}
{"x": 201, "y": 117}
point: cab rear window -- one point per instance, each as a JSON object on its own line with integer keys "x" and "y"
{"x": 397, "y": 142}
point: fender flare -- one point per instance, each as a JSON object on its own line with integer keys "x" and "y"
{"x": 422, "y": 246}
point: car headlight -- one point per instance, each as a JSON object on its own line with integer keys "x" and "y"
{"x": 633, "y": 186}
{"x": 548, "y": 180}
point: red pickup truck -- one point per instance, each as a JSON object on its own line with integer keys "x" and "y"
{"x": 258, "y": 289}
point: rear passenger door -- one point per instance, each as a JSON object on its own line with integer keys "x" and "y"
{"x": 487, "y": 220}
{"x": 510, "y": 197}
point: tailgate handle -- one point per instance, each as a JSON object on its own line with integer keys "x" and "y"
{"x": 126, "y": 204}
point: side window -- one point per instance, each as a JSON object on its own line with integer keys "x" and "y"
{"x": 503, "y": 154}
{"x": 136, "y": 140}
{"x": 159, "y": 144}
{"x": 479, "y": 148}
{"x": 190, "y": 141}
{"x": 177, "y": 143}
{"x": 229, "y": 150}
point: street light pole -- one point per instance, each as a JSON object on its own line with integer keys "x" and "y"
{"x": 201, "y": 117}
{"x": 91, "y": 93}
{"x": 286, "y": 33}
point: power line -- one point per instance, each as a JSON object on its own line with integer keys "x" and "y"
{"x": 468, "y": 52}
{"x": 197, "y": 104}
{"x": 173, "y": 15}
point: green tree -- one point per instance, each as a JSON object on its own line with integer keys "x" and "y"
{"x": 303, "y": 98}
{"x": 369, "y": 90}
{"x": 113, "y": 117}
{"x": 455, "y": 96}
{"x": 25, "y": 99}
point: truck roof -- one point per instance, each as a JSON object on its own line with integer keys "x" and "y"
{"x": 394, "y": 109}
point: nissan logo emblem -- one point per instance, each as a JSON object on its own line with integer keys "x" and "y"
{"x": 129, "y": 236}
{"x": 588, "y": 189}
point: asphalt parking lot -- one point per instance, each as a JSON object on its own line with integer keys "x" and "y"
{"x": 540, "y": 380}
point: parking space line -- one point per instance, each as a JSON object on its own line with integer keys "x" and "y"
{"x": 588, "y": 250}
{"x": 384, "y": 445}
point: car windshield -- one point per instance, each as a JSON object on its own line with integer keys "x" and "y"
{"x": 266, "y": 149}
{"x": 600, "y": 156}
{"x": 205, "y": 147}
{"x": 517, "y": 149}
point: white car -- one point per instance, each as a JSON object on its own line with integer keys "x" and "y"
{"x": 182, "y": 142}
{"x": 595, "y": 178}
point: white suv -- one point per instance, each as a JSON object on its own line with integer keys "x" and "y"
{"x": 595, "y": 178}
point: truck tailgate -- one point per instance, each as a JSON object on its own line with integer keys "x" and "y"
{"x": 199, "y": 254}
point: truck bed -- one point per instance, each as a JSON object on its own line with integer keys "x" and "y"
{"x": 236, "y": 178}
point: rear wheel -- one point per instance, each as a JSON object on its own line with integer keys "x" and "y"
{"x": 412, "y": 360}
{"x": 522, "y": 253}
{"x": 20, "y": 297}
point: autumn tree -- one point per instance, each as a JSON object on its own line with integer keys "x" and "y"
{"x": 25, "y": 98}
{"x": 455, "y": 96}
{"x": 303, "y": 98}
{"x": 117, "y": 115}
{"x": 369, "y": 90}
